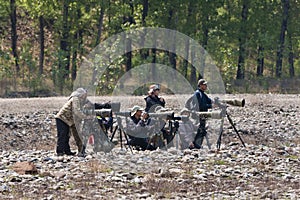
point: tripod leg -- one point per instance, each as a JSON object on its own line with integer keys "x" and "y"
{"x": 120, "y": 132}
{"x": 207, "y": 141}
{"x": 232, "y": 124}
{"x": 114, "y": 132}
{"x": 126, "y": 138}
{"x": 220, "y": 134}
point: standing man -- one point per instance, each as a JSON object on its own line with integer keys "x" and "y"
{"x": 203, "y": 104}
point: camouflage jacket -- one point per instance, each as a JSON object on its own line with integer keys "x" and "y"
{"x": 72, "y": 110}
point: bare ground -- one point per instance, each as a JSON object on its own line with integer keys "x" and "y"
{"x": 267, "y": 121}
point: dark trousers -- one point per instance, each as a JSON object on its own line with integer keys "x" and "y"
{"x": 63, "y": 136}
{"x": 201, "y": 133}
{"x": 140, "y": 142}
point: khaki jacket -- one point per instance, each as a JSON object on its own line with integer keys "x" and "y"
{"x": 71, "y": 110}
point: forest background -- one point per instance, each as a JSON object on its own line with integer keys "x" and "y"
{"x": 255, "y": 44}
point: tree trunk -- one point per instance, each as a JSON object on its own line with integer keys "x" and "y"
{"x": 260, "y": 61}
{"x": 100, "y": 25}
{"x": 77, "y": 48}
{"x": 204, "y": 45}
{"x": 64, "y": 61}
{"x": 128, "y": 41}
{"x": 185, "y": 61}
{"x": 14, "y": 36}
{"x": 193, "y": 69}
{"x": 42, "y": 45}
{"x": 128, "y": 55}
{"x": 291, "y": 56}
{"x": 172, "y": 56}
{"x": 283, "y": 29}
{"x": 153, "y": 68}
{"x": 145, "y": 11}
{"x": 74, "y": 59}
{"x": 242, "y": 42}
{"x": 144, "y": 52}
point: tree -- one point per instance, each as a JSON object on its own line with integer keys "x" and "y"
{"x": 43, "y": 12}
{"x": 293, "y": 27}
{"x": 14, "y": 36}
{"x": 100, "y": 22}
{"x": 242, "y": 41}
{"x": 64, "y": 56}
{"x": 286, "y": 5}
{"x": 42, "y": 44}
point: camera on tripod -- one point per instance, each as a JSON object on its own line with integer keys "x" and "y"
{"x": 222, "y": 104}
{"x": 104, "y": 113}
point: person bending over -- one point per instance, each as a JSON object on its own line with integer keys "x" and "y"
{"x": 65, "y": 122}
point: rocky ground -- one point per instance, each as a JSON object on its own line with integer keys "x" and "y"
{"x": 267, "y": 168}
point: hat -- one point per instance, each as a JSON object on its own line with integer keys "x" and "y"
{"x": 184, "y": 111}
{"x": 153, "y": 87}
{"x": 79, "y": 92}
{"x": 202, "y": 82}
{"x": 135, "y": 108}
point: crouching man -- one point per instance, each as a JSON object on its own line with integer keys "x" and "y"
{"x": 138, "y": 129}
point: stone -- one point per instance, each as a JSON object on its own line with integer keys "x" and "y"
{"x": 25, "y": 168}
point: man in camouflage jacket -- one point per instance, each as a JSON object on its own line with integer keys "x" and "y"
{"x": 65, "y": 122}
{"x": 79, "y": 117}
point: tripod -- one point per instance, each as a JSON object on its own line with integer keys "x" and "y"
{"x": 119, "y": 129}
{"x": 225, "y": 113}
{"x": 168, "y": 136}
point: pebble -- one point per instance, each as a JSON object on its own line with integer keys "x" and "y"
{"x": 267, "y": 168}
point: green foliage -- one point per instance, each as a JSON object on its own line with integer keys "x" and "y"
{"x": 214, "y": 24}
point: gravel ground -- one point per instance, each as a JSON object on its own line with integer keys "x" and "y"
{"x": 267, "y": 168}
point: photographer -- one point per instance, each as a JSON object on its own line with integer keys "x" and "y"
{"x": 65, "y": 122}
{"x": 203, "y": 104}
{"x": 80, "y": 110}
{"x": 153, "y": 100}
{"x": 136, "y": 129}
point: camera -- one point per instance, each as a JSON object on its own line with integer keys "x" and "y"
{"x": 104, "y": 112}
{"x": 232, "y": 102}
{"x": 216, "y": 114}
{"x": 123, "y": 114}
{"x": 163, "y": 115}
